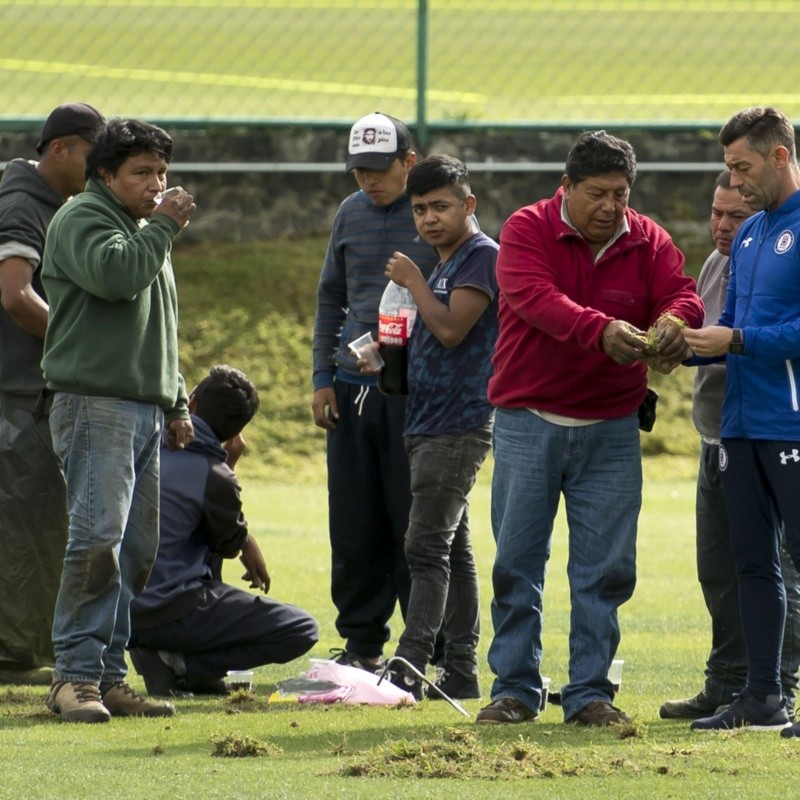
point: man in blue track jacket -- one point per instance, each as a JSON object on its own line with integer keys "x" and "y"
{"x": 759, "y": 334}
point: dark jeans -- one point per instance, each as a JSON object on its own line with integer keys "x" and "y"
{"x": 726, "y": 667}
{"x": 232, "y": 629}
{"x": 369, "y": 497}
{"x": 444, "y": 580}
{"x": 761, "y": 480}
{"x": 33, "y": 535}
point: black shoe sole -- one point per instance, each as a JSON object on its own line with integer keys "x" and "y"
{"x": 159, "y": 679}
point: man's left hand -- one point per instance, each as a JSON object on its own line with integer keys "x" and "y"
{"x": 715, "y": 340}
{"x": 180, "y": 432}
{"x": 255, "y": 565}
{"x": 669, "y": 342}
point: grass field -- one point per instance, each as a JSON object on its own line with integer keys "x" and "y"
{"x": 403, "y": 753}
{"x": 541, "y": 61}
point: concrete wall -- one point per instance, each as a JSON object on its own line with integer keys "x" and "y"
{"x": 240, "y": 207}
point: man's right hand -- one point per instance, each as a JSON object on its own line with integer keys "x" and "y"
{"x": 622, "y": 343}
{"x": 326, "y": 412}
{"x": 177, "y": 204}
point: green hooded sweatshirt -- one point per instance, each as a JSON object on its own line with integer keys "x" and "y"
{"x": 113, "y": 324}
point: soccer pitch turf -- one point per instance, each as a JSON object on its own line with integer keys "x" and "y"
{"x": 605, "y": 61}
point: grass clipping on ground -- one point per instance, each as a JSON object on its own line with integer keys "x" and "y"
{"x": 461, "y": 754}
{"x": 242, "y": 747}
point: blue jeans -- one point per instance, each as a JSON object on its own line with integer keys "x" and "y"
{"x": 444, "y": 580}
{"x": 109, "y": 453}
{"x": 598, "y": 470}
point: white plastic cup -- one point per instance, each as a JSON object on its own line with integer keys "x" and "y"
{"x": 545, "y": 692}
{"x": 239, "y": 680}
{"x": 367, "y": 348}
{"x": 615, "y": 673}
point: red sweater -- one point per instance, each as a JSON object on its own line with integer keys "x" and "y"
{"x": 555, "y": 301}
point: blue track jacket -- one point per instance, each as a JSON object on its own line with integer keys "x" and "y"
{"x": 761, "y": 392}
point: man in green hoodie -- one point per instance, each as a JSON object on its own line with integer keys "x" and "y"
{"x": 111, "y": 360}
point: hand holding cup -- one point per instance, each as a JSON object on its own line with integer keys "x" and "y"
{"x": 177, "y": 204}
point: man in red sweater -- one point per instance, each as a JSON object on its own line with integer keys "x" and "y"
{"x": 590, "y": 292}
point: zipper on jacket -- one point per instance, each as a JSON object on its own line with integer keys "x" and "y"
{"x": 792, "y": 384}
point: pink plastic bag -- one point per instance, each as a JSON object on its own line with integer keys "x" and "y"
{"x": 364, "y": 685}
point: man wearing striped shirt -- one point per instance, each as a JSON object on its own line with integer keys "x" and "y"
{"x": 368, "y": 477}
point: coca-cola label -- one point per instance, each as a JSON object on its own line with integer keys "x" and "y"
{"x": 392, "y": 330}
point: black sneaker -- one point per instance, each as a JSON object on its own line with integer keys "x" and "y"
{"x": 792, "y": 731}
{"x": 456, "y": 686}
{"x": 368, "y": 664}
{"x": 403, "y": 679}
{"x": 160, "y": 679}
{"x": 747, "y": 712}
{"x": 212, "y": 687}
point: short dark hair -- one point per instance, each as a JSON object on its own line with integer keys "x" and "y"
{"x": 723, "y": 180}
{"x": 122, "y": 138}
{"x": 226, "y": 400}
{"x": 596, "y": 153}
{"x": 437, "y": 172}
{"x": 763, "y": 127}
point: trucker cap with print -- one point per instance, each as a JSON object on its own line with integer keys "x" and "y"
{"x": 375, "y": 141}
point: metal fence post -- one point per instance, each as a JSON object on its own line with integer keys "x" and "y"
{"x": 422, "y": 74}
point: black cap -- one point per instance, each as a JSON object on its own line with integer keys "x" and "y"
{"x": 72, "y": 119}
{"x": 375, "y": 141}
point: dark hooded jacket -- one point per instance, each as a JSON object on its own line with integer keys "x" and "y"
{"x": 201, "y": 522}
{"x": 27, "y": 204}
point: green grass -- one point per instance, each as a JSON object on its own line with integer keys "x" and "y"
{"x": 371, "y": 753}
{"x": 539, "y": 61}
{"x": 252, "y": 307}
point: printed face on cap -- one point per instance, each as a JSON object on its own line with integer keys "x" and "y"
{"x": 375, "y": 141}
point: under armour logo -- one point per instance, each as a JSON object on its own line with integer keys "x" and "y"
{"x": 746, "y": 242}
{"x": 786, "y": 457}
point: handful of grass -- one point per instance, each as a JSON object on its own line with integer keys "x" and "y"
{"x": 649, "y": 340}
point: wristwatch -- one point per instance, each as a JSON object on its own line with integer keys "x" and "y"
{"x": 737, "y": 342}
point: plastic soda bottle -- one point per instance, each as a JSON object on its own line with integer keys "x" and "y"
{"x": 396, "y": 315}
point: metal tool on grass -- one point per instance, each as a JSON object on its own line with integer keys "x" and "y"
{"x": 417, "y": 674}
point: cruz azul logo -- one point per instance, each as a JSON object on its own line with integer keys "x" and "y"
{"x": 784, "y": 242}
{"x": 392, "y": 330}
{"x": 792, "y": 455}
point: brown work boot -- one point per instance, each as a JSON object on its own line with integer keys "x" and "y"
{"x": 505, "y": 711}
{"x": 77, "y": 702}
{"x": 122, "y": 701}
{"x": 600, "y": 713}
